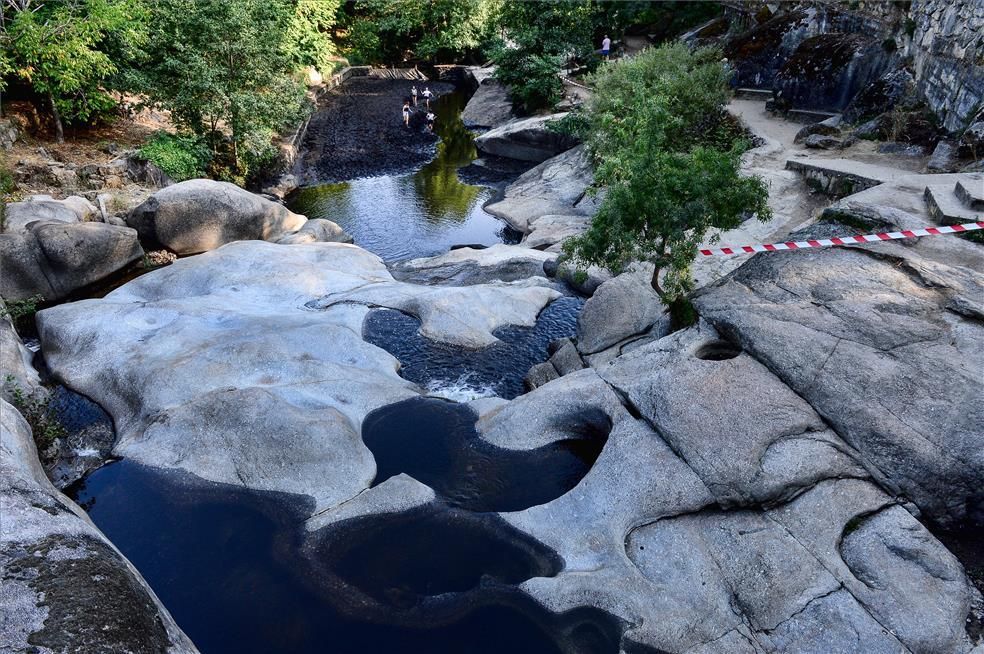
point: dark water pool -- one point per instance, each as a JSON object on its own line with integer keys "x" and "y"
{"x": 232, "y": 568}
{"x": 435, "y": 442}
{"x": 416, "y": 215}
{"x": 460, "y": 373}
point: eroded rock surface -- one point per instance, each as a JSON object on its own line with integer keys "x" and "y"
{"x": 72, "y": 209}
{"x": 868, "y": 338}
{"x": 489, "y": 107}
{"x": 467, "y": 266}
{"x": 526, "y": 139}
{"x": 55, "y": 258}
{"x": 64, "y": 586}
{"x": 201, "y": 214}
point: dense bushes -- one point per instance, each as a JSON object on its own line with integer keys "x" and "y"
{"x": 668, "y": 158}
{"x": 180, "y": 157}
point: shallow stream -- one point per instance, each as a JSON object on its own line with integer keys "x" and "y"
{"x": 239, "y": 572}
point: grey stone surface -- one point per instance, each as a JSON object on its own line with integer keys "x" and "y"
{"x": 200, "y": 215}
{"x": 316, "y": 230}
{"x": 489, "y": 107}
{"x": 539, "y": 375}
{"x": 467, "y": 266}
{"x": 43, "y": 207}
{"x": 944, "y": 158}
{"x": 578, "y": 401}
{"x": 868, "y": 337}
{"x": 15, "y": 361}
{"x": 214, "y": 365}
{"x": 620, "y": 308}
{"x": 526, "y": 139}
{"x": 555, "y": 187}
{"x": 757, "y": 444}
{"x": 63, "y": 586}
{"x": 566, "y": 359}
{"x": 54, "y": 259}
{"x": 822, "y": 128}
{"x": 549, "y": 232}
{"x": 821, "y": 142}
{"x": 465, "y": 316}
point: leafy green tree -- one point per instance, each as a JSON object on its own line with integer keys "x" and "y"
{"x": 308, "y": 37}
{"x": 220, "y": 68}
{"x": 396, "y": 31}
{"x": 60, "y": 48}
{"x": 669, "y": 161}
{"x": 540, "y": 36}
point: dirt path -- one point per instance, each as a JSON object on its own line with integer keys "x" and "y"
{"x": 358, "y": 131}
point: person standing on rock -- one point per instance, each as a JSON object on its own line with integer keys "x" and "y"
{"x": 427, "y": 96}
{"x": 606, "y": 47}
{"x": 430, "y": 121}
{"x": 406, "y": 113}
{"x": 413, "y": 94}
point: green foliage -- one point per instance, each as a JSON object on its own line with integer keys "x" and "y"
{"x": 575, "y": 123}
{"x": 667, "y": 20}
{"x": 37, "y": 411}
{"x": 540, "y": 37}
{"x": 398, "y": 31}
{"x": 531, "y": 79}
{"x": 62, "y": 49}
{"x": 21, "y": 312}
{"x": 670, "y": 164}
{"x": 180, "y": 157}
{"x": 307, "y": 38}
{"x": 219, "y": 67}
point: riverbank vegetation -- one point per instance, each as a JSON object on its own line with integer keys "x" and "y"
{"x": 668, "y": 158}
{"x": 227, "y": 75}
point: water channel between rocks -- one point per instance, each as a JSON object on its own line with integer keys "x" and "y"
{"x": 418, "y": 214}
{"x": 237, "y": 569}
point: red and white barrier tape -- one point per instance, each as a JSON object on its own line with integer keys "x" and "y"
{"x": 843, "y": 240}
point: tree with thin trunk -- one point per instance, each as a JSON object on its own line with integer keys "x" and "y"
{"x": 57, "y": 46}
{"x": 668, "y": 160}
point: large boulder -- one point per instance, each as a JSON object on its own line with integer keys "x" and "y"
{"x": 489, "y": 108}
{"x": 247, "y": 365}
{"x": 65, "y": 588}
{"x": 53, "y": 259}
{"x": 316, "y": 230}
{"x": 557, "y": 186}
{"x": 72, "y": 209}
{"x": 868, "y": 336}
{"x": 622, "y": 307}
{"x": 527, "y": 139}
{"x": 15, "y": 361}
{"x": 200, "y": 215}
{"x": 895, "y": 88}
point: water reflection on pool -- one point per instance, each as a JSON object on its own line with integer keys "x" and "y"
{"x": 416, "y": 215}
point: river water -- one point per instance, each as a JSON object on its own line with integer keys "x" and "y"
{"x": 415, "y": 215}
{"x": 237, "y": 570}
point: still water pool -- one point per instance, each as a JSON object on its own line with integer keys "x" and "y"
{"x": 416, "y": 215}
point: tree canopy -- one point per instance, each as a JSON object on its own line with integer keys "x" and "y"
{"x": 668, "y": 159}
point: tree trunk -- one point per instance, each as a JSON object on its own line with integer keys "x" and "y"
{"x": 59, "y": 129}
{"x": 654, "y": 282}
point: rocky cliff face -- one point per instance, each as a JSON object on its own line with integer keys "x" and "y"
{"x": 819, "y": 55}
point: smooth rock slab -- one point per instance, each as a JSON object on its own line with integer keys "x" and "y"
{"x": 869, "y": 338}
{"x": 489, "y": 107}
{"x": 555, "y": 187}
{"x": 467, "y": 266}
{"x": 620, "y": 308}
{"x": 201, "y": 214}
{"x": 64, "y": 587}
{"x": 53, "y": 259}
{"x": 72, "y": 209}
{"x": 526, "y": 139}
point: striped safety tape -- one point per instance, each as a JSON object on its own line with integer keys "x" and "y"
{"x": 843, "y": 240}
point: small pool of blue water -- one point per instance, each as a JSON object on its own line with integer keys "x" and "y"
{"x": 416, "y": 215}
{"x": 460, "y": 373}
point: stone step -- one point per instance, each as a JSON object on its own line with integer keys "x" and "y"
{"x": 809, "y": 116}
{"x": 839, "y": 178}
{"x": 946, "y": 208}
{"x": 754, "y": 94}
{"x": 971, "y": 192}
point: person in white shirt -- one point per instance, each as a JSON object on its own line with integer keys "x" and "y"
{"x": 427, "y": 96}
{"x": 430, "y": 120}
{"x": 606, "y": 47}
{"x": 413, "y": 94}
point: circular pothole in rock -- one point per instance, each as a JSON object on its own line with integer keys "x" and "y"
{"x": 717, "y": 351}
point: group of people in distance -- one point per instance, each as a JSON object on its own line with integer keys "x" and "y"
{"x": 426, "y": 94}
